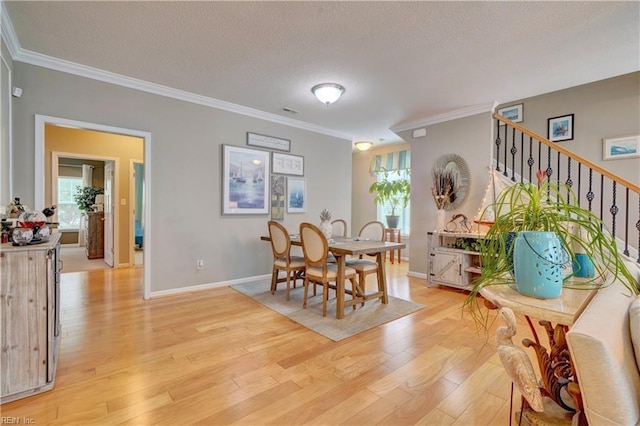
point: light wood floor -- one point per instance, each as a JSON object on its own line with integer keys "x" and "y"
{"x": 217, "y": 357}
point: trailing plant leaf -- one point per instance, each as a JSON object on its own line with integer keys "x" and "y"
{"x": 554, "y": 208}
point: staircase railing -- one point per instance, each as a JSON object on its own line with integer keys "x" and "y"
{"x": 519, "y": 153}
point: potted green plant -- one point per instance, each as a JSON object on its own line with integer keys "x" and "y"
{"x": 85, "y": 197}
{"x": 547, "y": 207}
{"x": 393, "y": 191}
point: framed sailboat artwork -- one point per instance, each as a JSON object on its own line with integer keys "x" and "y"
{"x": 245, "y": 181}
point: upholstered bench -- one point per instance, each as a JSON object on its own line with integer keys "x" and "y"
{"x": 605, "y": 349}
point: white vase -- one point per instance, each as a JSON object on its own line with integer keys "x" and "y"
{"x": 441, "y": 216}
{"x": 326, "y": 228}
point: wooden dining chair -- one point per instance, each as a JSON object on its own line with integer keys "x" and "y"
{"x": 293, "y": 266}
{"x": 372, "y": 231}
{"x": 339, "y": 227}
{"x": 318, "y": 271}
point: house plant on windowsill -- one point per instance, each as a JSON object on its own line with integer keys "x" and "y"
{"x": 550, "y": 208}
{"x": 395, "y": 192}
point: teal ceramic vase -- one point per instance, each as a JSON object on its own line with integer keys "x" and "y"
{"x": 538, "y": 259}
{"x": 583, "y": 266}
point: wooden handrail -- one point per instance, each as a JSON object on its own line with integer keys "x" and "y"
{"x": 604, "y": 172}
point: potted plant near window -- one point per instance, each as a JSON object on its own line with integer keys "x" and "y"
{"x": 553, "y": 210}
{"x": 395, "y": 192}
{"x": 85, "y": 197}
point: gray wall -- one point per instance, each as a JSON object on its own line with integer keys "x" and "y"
{"x": 603, "y": 109}
{"x": 470, "y": 138}
{"x": 185, "y": 182}
{"x": 6, "y": 67}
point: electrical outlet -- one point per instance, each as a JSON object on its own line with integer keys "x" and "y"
{"x": 199, "y": 264}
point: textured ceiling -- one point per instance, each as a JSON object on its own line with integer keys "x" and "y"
{"x": 400, "y": 62}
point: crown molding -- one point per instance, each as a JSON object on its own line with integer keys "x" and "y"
{"x": 33, "y": 58}
{"x": 8, "y": 34}
{"x": 447, "y": 116}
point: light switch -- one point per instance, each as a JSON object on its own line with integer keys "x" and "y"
{"x": 123, "y": 201}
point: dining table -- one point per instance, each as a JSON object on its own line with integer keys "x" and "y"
{"x": 341, "y": 247}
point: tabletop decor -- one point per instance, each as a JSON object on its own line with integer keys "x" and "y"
{"x": 444, "y": 192}
{"x": 325, "y": 223}
{"x": 550, "y": 208}
{"x": 244, "y": 190}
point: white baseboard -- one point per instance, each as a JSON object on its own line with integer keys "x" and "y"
{"x": 208, "y": 286}
{"x": 417, "y": 275}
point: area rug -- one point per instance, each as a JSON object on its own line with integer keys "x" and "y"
{"x": 355, "y": 321}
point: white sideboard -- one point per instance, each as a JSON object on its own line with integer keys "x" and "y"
{"x": 453, "y": 259}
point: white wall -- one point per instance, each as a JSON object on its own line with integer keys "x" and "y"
{"x": 185, "y": 182}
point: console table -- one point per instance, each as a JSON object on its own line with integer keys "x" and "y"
{"x": 555, "y": 365}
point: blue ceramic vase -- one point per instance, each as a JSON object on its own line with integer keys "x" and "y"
{"x": 583, "y": 266}
{"x": 538, "y": 259}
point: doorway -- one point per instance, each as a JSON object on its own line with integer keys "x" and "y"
{"x": 119, "y": 202}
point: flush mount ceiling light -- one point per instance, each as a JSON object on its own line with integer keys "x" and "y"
{"x": 363, "y": 145}
{"x": 327, "y": 93}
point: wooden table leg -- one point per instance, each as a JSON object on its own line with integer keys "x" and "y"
{"x": 382, "y": 277}
{"x": 340, "y": 287}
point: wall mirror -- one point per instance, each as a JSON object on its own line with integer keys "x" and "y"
{"x": 460, "y": 169}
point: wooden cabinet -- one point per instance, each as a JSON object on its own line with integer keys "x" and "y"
{"x": 94, "y": 244}
{"x": 453, "y": 259}
{"x": 30, "y": 315}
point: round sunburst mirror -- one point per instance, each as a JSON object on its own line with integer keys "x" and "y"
{"x": 456, "y": 164}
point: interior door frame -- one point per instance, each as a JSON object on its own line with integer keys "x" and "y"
{"x": 39, "y": 178}
{"x": 132, "y": 206}
{"x": 55, "y": 160}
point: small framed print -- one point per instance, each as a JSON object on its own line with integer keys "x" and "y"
{"x": 621, "y": 147}
{"x": 269, "y": 142}
{"x": 287, "y": 164}
{"x": 560, "y": 128}
{"x": 513, "y": 113}
{"x": 296, "y": 195}
{"x": 278, "y": 193}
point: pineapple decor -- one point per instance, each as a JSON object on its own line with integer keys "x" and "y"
{"x": 325, "y": 223}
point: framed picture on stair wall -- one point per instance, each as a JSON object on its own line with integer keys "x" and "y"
{"x": 621, "y": 147}
{"x": 513, "y": 113}
{"x": 560, "y": 128}
{"x": 245, "y": 181}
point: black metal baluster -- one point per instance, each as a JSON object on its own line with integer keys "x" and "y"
{"x": 590, "y": 195}
{"x": 514, "y": 151}
{"x": 521, "y": 157}
{"x": 530, "y": 161}
{"x": 614, "y": 208}
{"x": 626, "y": 224}
{"x": 558, "y": 177}
{"x": 506, "y": 143}
{"x": 569, "y": 182}
{"x": 602, "y": 198}
{"x": 498, "y": 142}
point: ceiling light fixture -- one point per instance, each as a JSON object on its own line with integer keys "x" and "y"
{"x": 363, "y": 145}
{"x": 327, "y": 93}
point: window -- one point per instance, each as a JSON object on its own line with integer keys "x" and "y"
{"x": 68, "y": 211}
{"x": 404, "y": 223}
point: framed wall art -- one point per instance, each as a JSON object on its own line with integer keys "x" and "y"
{"x": 621, "y": 147}
{"x": 278, "y": 195}
{"x": 296, "y": 195}
{"x": 244, "y": 189}
{"x": 513, "y": 113}
{"x": 287, "y": 164}
{"x": 269, "y": 142}
{"x": 560, "y": 128}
